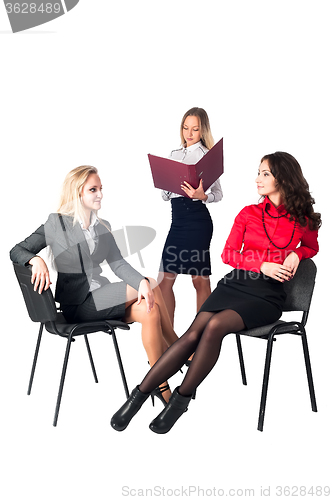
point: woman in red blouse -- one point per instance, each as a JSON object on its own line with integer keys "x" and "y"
{"x": 265, "y": 246}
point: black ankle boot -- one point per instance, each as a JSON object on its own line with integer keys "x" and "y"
{"x": 122, "y": 417}
{"x": 171, "y": 413}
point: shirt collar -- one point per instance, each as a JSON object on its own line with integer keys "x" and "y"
{"x": 93, "y": 222}
{"x": 280, "y": 210}
{"x": 193, "y": 147}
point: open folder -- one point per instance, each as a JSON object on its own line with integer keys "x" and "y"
{"x": 170, "y": 174}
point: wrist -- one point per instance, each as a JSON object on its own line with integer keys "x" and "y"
{"x": 262, "y": 267}
{"x": 144, "y": 279}
{"x": 32, "y": 259}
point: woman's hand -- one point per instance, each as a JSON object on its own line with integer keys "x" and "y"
{"x": 292, "y": 261}
{"x": 197, "y": 194}
{"x": 145, "y": 291}
{"x": 40, "y": 275}
{"x": 279, "y": 272}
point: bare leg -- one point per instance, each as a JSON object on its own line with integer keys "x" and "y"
{"x": 166, "y": 323}
{"x": 203, "y": 289}
{"x": 166, "y": 287}
{"x": 152, "y": 336}
{"x": 157, "y": 330}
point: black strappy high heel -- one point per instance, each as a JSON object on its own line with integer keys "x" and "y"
{"x": 158, "y": 392}
{"x": 188, "y": 363}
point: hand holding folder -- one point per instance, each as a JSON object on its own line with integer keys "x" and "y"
{"x": 169, "y": 174}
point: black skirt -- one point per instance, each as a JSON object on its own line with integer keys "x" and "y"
{"x": 257, "y": 298}
{"x": 106, "y": 302}
{"x": 187, "y": 247}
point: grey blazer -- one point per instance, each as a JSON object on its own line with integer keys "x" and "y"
{"x": 74, "y": 263}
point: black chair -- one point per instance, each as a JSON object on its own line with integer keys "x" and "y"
{"x": 299, "y": 292}
{"x": 42, "y": 309}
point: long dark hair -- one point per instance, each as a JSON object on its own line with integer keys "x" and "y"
{"x": 293, "y": 188}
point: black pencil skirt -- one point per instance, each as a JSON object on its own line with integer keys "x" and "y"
{"x": 106, "y": 302}
{"x": 187, "y": 247}
{"x": 257, "y": 298}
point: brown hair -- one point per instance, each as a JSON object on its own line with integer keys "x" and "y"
{"x": 294, "y": 188}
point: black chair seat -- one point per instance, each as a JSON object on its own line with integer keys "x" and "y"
{"x": 42, "y": 309}
{"x": 264, "y": 331}
{"x": 61, "y": 326}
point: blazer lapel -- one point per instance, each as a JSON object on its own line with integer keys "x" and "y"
{"x": 75, "y": 235}
{"x": 78, "y": 237}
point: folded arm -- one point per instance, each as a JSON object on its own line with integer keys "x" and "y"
{"x": 25, "y": 253}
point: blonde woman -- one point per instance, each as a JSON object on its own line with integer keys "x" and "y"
{"x": 80, "y": 241}
{"x": 187, "y": 247}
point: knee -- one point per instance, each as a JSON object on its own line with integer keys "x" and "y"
{"x": 201, "y": 283}
{"x": 191, "y": 337}
{"x": 214, "y": 330}
{"x": 167, "y": 282}
{"x": 153, "y": 316}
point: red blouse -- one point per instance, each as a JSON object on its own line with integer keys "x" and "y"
{"x": 248, "y": 245}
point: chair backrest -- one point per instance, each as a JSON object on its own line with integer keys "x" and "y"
{"x": 299, "y": 289}
{"x": 40, "y": 306}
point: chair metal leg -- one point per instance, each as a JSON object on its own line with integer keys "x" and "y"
{"x": 239, "y": 348}
{"x": 309, "y": 372}
{"x": 91, "y": 359}
{"x": 62, "y": 380}
{"x": 116, "y": 347}
{"x": 265, "y": 383}
{"x": 35, "y": 358}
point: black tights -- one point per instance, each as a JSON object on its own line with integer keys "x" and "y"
{"x": 204, "y": 338}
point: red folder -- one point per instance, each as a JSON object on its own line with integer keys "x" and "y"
{"x": 169, "y": 174}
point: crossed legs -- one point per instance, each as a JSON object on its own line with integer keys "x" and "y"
{"x": 204, "y": 337}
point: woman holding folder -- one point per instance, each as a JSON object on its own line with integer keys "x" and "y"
{"x": 187, "y": 247}
{"x": 265, "y": 245}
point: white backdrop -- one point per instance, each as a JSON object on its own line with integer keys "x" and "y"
{"x": 106, "y": 84}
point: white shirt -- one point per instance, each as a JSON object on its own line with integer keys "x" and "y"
{"x": 91, "y": 239}
{"x": 190, "y": 156}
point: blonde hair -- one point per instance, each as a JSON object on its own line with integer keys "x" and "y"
{"x": 204, "y": 126}
{"x": 70, "y": 198}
